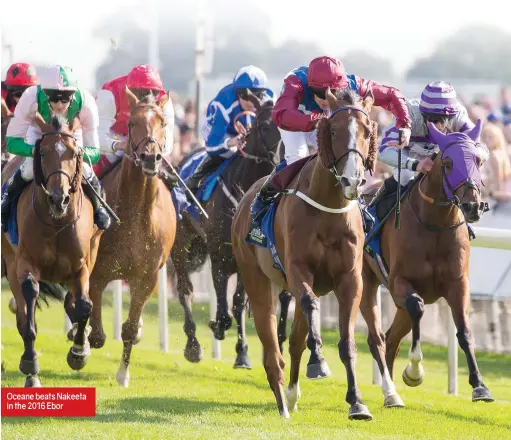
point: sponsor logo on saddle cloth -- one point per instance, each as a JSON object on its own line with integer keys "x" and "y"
{"x": 256, "y": 236}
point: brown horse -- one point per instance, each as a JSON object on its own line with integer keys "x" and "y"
{"x": 57, "y": 241}
{"x": 137, "y": 248}
{"x": 6, "y": 118}
{"x": 319, "y": 238}
{"x": 428, "y": 257}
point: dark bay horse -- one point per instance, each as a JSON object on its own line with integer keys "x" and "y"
{"x": 195, "y": 241}
{"x": 428, "y": 257}
{"x": 137, "y": 248}
{"x": 319, "y": 239}
{"x": 57, "y": 244}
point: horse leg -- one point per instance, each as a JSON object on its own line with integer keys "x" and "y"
{"x": 238, "y": 310}
{"x": 69, "y": 308}
{"x": 458, "y": 299}
{"x": 349, "y": 294}
{"x": 28, "y": 290}
{"x": 285, "y": 299}
{"x": 193, "y": 350}
{"x": 223, "y": 319}
{"x": 376, "y": 337}
{"x": 400, "y": 327}
{"x": 413, "y": 374}
{"x": 297, "y": 346}
{"x": 140, "y": 292}
{"x": 258, "y": 288}
{"x": 80, "y": 351}
{"x": 97, "y": 335}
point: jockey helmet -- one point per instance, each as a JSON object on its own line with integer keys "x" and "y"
{"x": 325, "y": 72}
{"x": 253, "y": 79}
{"x": 58, "y": 82}
{"x": 144, "y": 76}
{"x": 21, "y": 75}
{"x": 438, "y": 101}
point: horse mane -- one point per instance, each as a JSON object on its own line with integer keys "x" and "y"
{"x": 148, "y": 99}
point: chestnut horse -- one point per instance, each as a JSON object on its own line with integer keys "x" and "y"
{"x": 137, "y": 248}
{"x": 428, "y": 257}
{"x": 57, "y": 244}
{"x": 195, "y": 241}
{"x": 319, "y": 238}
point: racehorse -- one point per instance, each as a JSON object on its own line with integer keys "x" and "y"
{"x": 57, "y": 243}
{"x": 319, "y": 241}
{"x": 428, "y": 257}
{"x": 6, "y": 118}
{"x": 137, "y": 248}
{"x": 198, "y": 239}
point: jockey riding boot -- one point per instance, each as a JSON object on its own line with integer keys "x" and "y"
{"x": 207, "y": 165}
{"x": 264, "y": 198}
{"x": 14, "y": 186}
{"x": 388, "y": 187}
{"x": 101, "y": 216}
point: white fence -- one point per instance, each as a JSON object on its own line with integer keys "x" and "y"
{"x": 486, "y": 238}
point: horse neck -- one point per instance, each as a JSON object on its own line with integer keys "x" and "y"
{"x": 324, "y": 188}
{"x": 136, "y": 190}
{"x": 431, "y": 213}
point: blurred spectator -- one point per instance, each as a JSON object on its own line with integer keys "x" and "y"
{"x": 498, "y": 169}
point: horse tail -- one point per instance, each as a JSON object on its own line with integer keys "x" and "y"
{"x": 55, "y": 291}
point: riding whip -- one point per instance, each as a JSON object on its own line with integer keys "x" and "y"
{"x": 103, "y": 202}
{"x": 397, "y": 220}
{"x": 188, "y": 189}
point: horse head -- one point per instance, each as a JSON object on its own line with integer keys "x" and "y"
{"x": 147, "y": 131}
{"x": 460, "y": 162}
{"x": 58, "y": 163}
{"x": 347, "y": 140}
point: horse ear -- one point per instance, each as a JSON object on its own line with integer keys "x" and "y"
{"x": 332, "y": 100}
{"x": 368, "y": 100}
{"x": 163, "y": 100}
{"x": 436, "y": 135}
{"x": 5, "y": 110}
{"x": 43, "y": 126}
{"x": 132, "y": 99}
{"x": 326, "y": 154}
{"x": 476, "y": 131}
{"x": 74, "y": 124}
{"x": 254, "y": 100}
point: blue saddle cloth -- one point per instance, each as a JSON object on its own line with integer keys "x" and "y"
{"x": 204, "y": 192}
{"x": 12, "y": 224}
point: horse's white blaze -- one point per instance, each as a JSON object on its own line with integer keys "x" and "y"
{"x": 387, "y": 386}
{"x": 60, "y": 148}
{"x": 351, "y": 169}
{"x": 123, "y": 375}
{"x": 293, "y": 394}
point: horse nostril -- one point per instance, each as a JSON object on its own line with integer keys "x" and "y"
{"x": 158, "y": 157}
{"x": 142, "y": 156}
{"x": 345, "y": 182}
{"x": 66, "y": 200}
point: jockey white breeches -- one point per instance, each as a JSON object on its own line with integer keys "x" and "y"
{"x": 27, "y": 170}
{"x": 296, "y": 144}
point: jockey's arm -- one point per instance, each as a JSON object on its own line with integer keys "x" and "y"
{"x": 89, "y": 121}
{"x": 217, "y": 139}
{"x": 286, "y": 114}
{"x": 24, "y": 115}
{"x": 107, "y": 112}
{"x": 389, "y": 98}
{"x": 388, "y": 153}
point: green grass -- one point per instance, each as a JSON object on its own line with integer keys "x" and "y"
{"x": 171, "y": 398}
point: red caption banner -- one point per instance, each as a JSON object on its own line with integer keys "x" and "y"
{"x": 48, "y": 402}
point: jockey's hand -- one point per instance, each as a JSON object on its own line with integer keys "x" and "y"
{"x": 425, "y": 165}
{"x": 240, "y": 128}
{"x": 404, "y": 135}
{"x": 236, "y": 141}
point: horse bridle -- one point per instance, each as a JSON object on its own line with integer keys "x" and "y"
{"x": 145, "y": 140}
{"x": 333, "y": 168}
{"x": 271, "y": 157}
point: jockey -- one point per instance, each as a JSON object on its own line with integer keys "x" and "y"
{"x": 303, "y": 103}
{"x": 58, "y": 93}
{"x": 20, "y": 77}
{"x": 114, "y": 111}
{"x": 438, "y": 105}
{"x": 219, "y": 132}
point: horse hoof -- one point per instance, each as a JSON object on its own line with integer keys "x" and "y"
{"x": 77, "y": 360}
{"x": 318, "y": 371}
{"x": 97, "y": 340}
{"x": 393, "y": 401}
{"x": 411, "y": 382}
{"x": 242, "y": 361}
{"x": 218, "y": 331}
{"x": 32, "y": 382}
{"x": 482, "y": 394}
{"x": 284, "y": 413}
{"x": 13, "y": 307}
{"x": 359, "y": 411}
{"x": 29, "y": 367}
{"x": 193, "y": 352}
